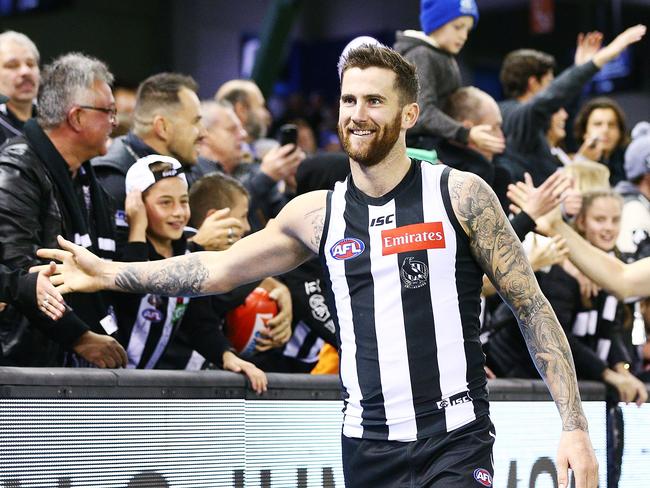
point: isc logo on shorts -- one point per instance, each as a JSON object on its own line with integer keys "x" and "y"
{"x": 347, "y": 248}
{"x": 415, "y": 237}
{"x": 483, "y": 476}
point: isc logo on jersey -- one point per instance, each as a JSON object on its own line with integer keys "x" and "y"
{"x": 483, "y": 476}
{"x": 347, "y": 248}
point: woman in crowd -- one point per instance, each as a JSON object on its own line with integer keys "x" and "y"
{"x": 593, "y": 324}
{"x": 601, "y": 131}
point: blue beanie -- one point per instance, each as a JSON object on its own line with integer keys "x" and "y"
{"x": 436, "y": 13}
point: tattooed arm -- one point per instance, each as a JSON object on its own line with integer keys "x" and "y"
{"x": 286, "y": 242}
{"x": 498, "y": 251}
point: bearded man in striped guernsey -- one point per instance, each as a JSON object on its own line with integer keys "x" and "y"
{"x": 404, "y": 245}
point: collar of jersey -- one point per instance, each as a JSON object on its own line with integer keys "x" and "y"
{"x": 379, "y": 201}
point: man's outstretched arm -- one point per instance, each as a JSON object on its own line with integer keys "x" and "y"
{"x": 623, "y": 280}
{"x": 499, "y": 253}
{"x": 285, "y": 243}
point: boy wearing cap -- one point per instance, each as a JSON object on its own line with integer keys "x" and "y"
{"x": 157, "y": 207}
{"x": 445, "y": 28}
{"x": 220, "y": 193}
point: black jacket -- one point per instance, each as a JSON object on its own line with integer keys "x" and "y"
{"x": 525, "y": 124}
{"x": 32, "y": 214}
{"x": 10, "y": 125}
{"x": 465, "y": 159}
{"x": 16, "y": 286}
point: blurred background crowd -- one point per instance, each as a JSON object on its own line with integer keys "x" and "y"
{"x": 149, "y": 129}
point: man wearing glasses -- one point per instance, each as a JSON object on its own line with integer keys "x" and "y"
{"x": 48, "y": 187}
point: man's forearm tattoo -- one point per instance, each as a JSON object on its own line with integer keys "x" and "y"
{"x": 317, "y": 219}
{"x": 182, "y": 277}
{"x": 497, "y": 249}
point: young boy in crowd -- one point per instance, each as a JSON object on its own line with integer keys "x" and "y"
{"x": 157, "y": 207}
{"x": 217, "y": 192}
{"x": 446, "y": 25}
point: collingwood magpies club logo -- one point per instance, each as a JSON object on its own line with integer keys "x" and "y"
{"x": 414, "y": 274}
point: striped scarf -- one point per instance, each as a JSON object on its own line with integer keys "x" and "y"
{"x": 95, "y": 198}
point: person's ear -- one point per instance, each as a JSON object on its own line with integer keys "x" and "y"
{"x": 410, "y": 114}
{"x": 74, "y": 119}
{"x": 534, "y": 84}
{"x": 241, "y": 110}
{"x": 580, "y": 223}
{"x": 161, "y": 127}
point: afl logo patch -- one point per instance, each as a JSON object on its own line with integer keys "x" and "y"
{"x": 152, "y": 315}
{"x": 483, "y": 476}
{"x": 347, "y": 248}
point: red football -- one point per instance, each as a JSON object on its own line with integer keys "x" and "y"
{"x": 244, "y": 323}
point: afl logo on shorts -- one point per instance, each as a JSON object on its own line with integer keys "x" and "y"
{"x": 152, "y": 315}
{"x": 483, "y": 476}
{"x": 347, "y": 248}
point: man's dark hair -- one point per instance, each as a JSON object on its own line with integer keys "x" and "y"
{"x": 520, "y": 65}
{"x": 373, "y": 56}
{"x": 212, "y": 191}
{"x": 464, "y": 104}
{"x": 580, "y": 123}
{"x": 159, "y": 91}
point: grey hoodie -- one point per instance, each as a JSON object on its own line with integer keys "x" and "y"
{"x": 439, "y": 76}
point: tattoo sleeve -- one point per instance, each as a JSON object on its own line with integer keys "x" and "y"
{"x": 184, "y": 276}
{"x": 500, "y": 254}
{"x": 317, "y": 220}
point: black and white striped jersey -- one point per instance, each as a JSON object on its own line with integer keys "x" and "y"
{"x": 405, "y": 294}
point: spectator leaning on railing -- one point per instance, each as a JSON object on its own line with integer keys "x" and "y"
{"x": 47, "y": 187}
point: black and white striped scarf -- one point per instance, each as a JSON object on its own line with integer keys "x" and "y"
{"x": 104, "y": 245}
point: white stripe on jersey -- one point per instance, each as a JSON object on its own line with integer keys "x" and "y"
{"x": 297, "y": 341}
{"x": 390, "y": 331}
{"x": 195, "y": 363}
{"x": 352, "y": 411}
{"x": 165, "y": 336}
{"x": 139, "y": 335}
{"x": 141, "y": 330}
{"x": 452, "y": 362}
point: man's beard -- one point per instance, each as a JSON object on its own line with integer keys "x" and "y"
{"x": 383, "y": 141}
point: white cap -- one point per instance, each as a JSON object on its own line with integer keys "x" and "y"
{"x": 353, "y": 44}
{"x": 140, "y": 177}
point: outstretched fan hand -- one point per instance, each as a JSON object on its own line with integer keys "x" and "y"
{"x": 80, "y": 270}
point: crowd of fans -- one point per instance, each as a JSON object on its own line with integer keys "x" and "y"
{"x": 155, "y": 172}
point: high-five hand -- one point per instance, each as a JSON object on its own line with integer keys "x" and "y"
{"x": 80, "y": 270}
